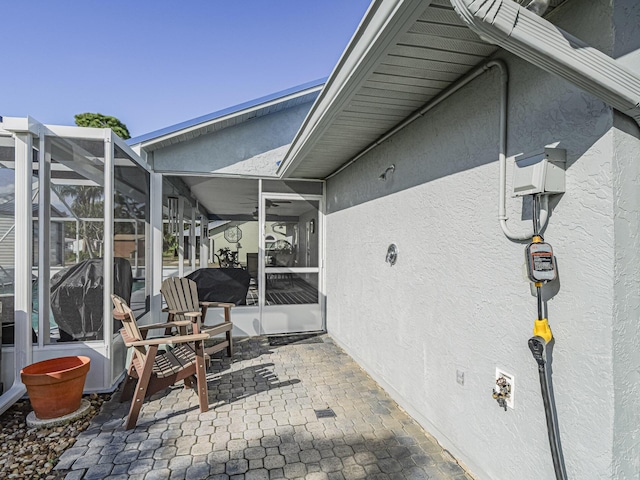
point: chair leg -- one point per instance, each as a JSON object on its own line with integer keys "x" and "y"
{"x": 129, "y": 385}
{"x": 227, "y": 318}
{"x": 141, "y": 389}
{"x": 230, "y": 346}
{"x": 201, "y": 376}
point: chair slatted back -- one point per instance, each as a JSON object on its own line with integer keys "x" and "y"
{"x": 130, "y": 331}
{"x": 181, "y": 294}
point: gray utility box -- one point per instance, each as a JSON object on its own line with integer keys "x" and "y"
{"x": 539, "y": 172}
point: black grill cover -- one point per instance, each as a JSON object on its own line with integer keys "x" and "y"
{"x": 222, "y": 284}
{"x": 76, "y": 297}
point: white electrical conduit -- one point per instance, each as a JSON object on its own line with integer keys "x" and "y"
{"x": 502, "y": 158}
{"x": 502, "y": 161}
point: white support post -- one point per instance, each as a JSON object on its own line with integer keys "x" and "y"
{"x": 204, "y": 244}
{"x": 23, "y": 253}
{"x": 108, "y": 256}
{"x": 192, "y": 240}
{"x": 23, "y": 350}
{"x": 155, "y": 213}
{"x": 261, "y": 257}
{"x": 44, "y": 229}
{"x": 180, "y": 235}
{"x": 136, "y": 259}
{"x": 77, "y": 241}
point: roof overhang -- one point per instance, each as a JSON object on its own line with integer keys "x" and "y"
{"x": 407, "y": 53}
{"x": 227, "y": 117}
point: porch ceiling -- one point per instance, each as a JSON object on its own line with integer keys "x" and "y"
{"x": 403, "y": 56}
{"x": 232, "y": 197}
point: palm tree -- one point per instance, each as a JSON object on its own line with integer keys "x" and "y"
{"x": 84, "y": 203}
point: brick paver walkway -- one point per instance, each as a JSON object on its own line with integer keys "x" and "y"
{"x": 263, "y": 424}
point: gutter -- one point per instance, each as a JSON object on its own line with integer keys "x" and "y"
{"x": 536, "y": 40}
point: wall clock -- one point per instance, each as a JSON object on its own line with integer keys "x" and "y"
{"x": 233, "y": 234}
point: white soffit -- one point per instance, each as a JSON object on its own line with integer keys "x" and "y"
{"x": 405, "y": 54}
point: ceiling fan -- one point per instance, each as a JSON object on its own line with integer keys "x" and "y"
{"x": 269, "y": 204}
{"x": 275, "y": 203}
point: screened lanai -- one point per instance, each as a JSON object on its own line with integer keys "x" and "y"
{"x": 262, "y": 236}
{"x": 82, "y": 216}
{"x": 74, "y": 227}
{"x": 229, "y": 212}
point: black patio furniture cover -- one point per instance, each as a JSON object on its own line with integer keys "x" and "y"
{"x": 77, "y": 301}
{"x": 222, "y": 284}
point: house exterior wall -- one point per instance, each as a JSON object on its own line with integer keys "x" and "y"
{"x": 458, "y": 299}
{"x": 251, "y": 148}
{"x": 626, "y": 329}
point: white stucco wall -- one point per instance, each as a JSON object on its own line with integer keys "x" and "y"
{"x": 457, "y": 299}
{"x": 250, "y": 148}
{"x": 626, "y": 332}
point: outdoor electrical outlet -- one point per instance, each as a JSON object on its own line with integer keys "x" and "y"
{"x": 460, "y": 377}
{"x": 508, "y": 383}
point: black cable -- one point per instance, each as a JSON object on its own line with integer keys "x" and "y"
{"x": 539, "y": 296}
{"x": 536, "y": 215}
{"x": 536, "y": 233}
{"x": 536, "y": 345}
{"x": 551, "y": 424}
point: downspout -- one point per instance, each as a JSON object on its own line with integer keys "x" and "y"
{"x": 534, "y": 39}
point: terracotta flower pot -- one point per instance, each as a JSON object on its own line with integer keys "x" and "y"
{"x": 55, "y": 386}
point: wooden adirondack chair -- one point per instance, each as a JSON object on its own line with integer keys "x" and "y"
{"x": 149, "y": 371}
{"x": 181, "y": 295}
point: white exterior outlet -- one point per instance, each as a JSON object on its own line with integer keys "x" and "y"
{"x": 510, "y": 379}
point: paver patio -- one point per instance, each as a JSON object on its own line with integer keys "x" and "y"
{"x": 263, "y": 423}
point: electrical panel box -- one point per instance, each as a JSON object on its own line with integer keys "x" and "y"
{"x": 539, "y": 172}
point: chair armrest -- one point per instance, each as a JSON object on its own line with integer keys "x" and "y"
{"x": 213, "y": 330}
{"x": 179, "y": 323}
{"x": 217, "y": 304}
{"x": 170, "y": 340}
{"x": 182, "y": 312}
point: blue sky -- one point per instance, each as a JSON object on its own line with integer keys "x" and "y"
{"x": 157, "y": 63}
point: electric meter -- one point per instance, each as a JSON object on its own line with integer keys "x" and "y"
{"x": 541, "y": 265}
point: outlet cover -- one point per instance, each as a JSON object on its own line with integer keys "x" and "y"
{"x": 511, "y": 381}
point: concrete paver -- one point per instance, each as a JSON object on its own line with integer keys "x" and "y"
{"x": 263, "y": 424}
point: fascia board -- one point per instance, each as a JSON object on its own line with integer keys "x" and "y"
{"x": 383, "y": 22}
